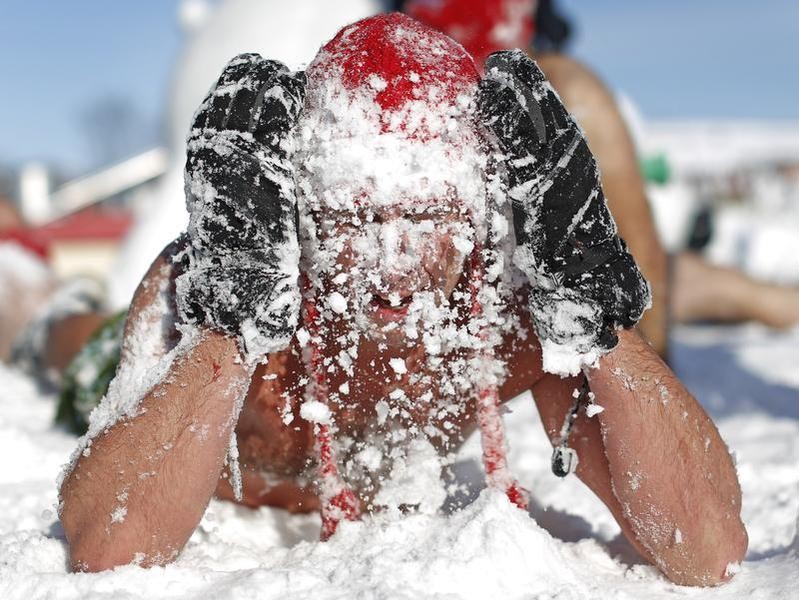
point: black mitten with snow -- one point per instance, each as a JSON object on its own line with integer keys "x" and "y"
{"x": 241, "y": 265}
{"x": 585, "y": 284}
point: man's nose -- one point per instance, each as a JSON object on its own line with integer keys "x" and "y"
{"x": 396, "y": 248}
{"x": 398, "y": 265}
{"x": 389, "y": 239}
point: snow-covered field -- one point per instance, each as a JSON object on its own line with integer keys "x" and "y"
{"x": 571, "y": 548}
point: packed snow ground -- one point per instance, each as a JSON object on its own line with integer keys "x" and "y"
{"x": 745, "y": 376}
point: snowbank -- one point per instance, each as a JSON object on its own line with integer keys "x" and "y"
{"x": 572, "y": 550}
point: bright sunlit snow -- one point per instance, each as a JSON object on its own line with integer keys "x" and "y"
{"x": 571, "y": 548}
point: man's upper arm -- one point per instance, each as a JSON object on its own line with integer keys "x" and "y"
{"x": 153, "y": 304}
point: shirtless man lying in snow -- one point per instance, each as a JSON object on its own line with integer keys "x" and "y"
{"x": 404, "y": 314}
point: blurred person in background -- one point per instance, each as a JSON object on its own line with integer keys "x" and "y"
{"x": 685, "y": 287}
{"x": 25, "y": 281}
{"x": 44, "y": 322}
{"x": 9, "y": 215}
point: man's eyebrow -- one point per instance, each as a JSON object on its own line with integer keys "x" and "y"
{"x": 327, "y": 210}
{"x": 435, "y": 208}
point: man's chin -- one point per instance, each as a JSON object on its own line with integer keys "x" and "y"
{"x": 390, "y": 335}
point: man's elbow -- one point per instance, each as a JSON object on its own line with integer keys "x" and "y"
{"x": 730, "y": 555}
{"x": 91, "y": 552}
{"x": 88, "y": 559}
{"x": 92, "y": 548}
{"x": 88, "y": 548}
{"x": 712, "y": 564}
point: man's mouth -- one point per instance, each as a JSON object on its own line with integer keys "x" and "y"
{"x": 392, "y": 307}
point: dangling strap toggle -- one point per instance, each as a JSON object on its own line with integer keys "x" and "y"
{"x": 564, "y": 458}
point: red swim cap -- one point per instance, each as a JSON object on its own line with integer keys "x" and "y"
{"x": 396, "y": 62}
{"x": 389, "y": 109}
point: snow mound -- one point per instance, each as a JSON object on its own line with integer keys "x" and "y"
{"x": 572, "y": 550}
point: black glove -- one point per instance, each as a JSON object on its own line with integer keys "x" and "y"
{"x": 242, "y": 260}
{"x": 584, "y": 282}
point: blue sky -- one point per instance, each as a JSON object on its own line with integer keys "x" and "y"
{"x": 675, "y": 58}
{"x": 700, "y": 58}
{"x": 60, "y": 56}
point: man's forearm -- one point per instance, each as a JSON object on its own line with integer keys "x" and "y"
{"x": 669, "y": 468}
{"x": 142, "y": 486}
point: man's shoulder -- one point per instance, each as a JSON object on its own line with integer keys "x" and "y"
{"x": 572, "y": 80}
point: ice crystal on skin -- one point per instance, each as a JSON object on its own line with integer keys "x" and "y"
{"x": 678, "y": 539}
{"x": 635, "y": 480}
{"x": 593, "y": 409}
{"x": 232, "y": 458}
{"x": 398, "y": 364}
{"x": 315, "y": 412}
{"x": 118, "y": 514}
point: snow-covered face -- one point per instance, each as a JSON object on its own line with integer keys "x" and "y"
{"x": 393, "y": 264}
{"x": 387, "y": 202}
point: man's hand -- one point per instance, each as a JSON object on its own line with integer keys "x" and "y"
{"x": 584, "y": 282}
{"x": 242, "y": 261}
